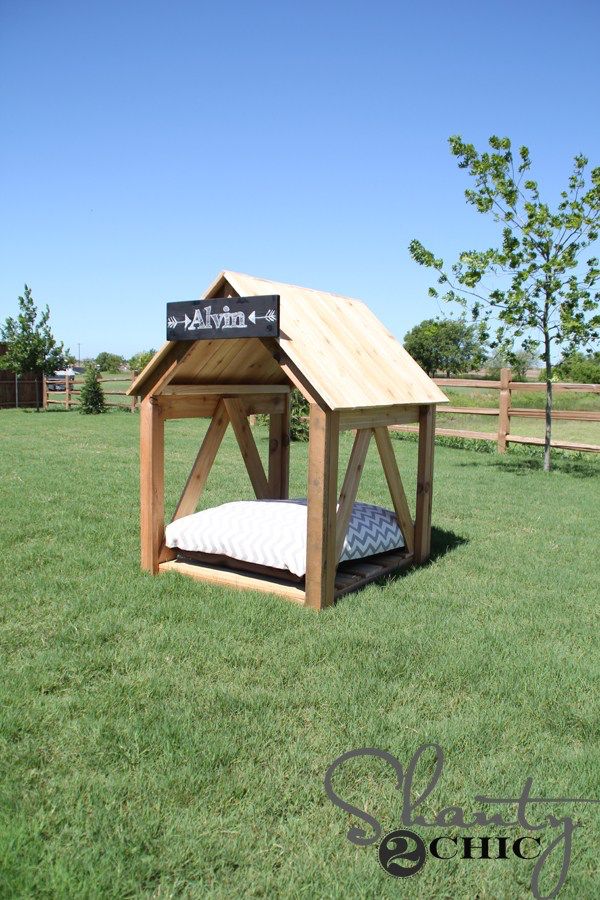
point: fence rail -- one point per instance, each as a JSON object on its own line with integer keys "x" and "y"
{"x": 506, "y": 411}
{"x": 68, "y": 389}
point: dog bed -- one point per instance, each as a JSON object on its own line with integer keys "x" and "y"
{"x": 272, "y": 533}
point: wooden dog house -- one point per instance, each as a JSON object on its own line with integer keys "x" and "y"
{"x": 355, "y": 376}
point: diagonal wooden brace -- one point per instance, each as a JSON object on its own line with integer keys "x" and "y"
{"x": 239, "y": 422}
{"x": 394, "y": 482}
{"x": 350, "y": 487}
{"x": 203, "y": 463}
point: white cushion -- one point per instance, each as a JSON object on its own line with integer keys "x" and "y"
{"x": 273, "y": 532}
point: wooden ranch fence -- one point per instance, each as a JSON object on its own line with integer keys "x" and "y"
{"x": 506, "y": 411}
{"x": 67, "y": 390}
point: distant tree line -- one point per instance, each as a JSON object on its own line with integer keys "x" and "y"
{"x": 114, "y": 363}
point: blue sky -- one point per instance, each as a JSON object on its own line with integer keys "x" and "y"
{"x": 146, "y": 146}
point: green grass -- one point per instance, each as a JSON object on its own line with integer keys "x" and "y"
{"x": 162, "y": 738}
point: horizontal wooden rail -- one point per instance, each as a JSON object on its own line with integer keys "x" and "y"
{"x": 560, "y": 445}
{"x": 558, "y": 386}
{"x": 511, "y": 438}
{"x": 569, "y": 415}
{"x": 467, "y": 382}
{"x": 468, "y": 410}
{"x": 450, "y": 432}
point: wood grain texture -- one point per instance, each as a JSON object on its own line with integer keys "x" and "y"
{"x": 224, "y": 390}
{"x": 503, "y": 410}
{"x": 279, "y": 453}
{"x": 232, "y": 579}
{"x": 349, "y": 489}
{"x": 204, "y": 406}
{"x": 395, "y": 486}
{"x": 377, "y": 416}
{"x": 424, "y": 484}
{"x": 192, "y": 491}
{"x": 321, "y": 561}
{"x": 334, "y": 341}
{"x": 245, "y": 439}
{"x": 152, "y": 511}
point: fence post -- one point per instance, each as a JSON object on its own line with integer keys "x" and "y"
{"x": 44, "y": 392}
{"x": 504, "y": 410}
{"x": 134, "y": 375}
{"x": 67, "y": 392}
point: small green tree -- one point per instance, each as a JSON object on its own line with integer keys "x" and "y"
{"x": 542, "y": 289}
{"x": 31, "y": 346}
{"x": 91, "y": 398}
{"x": 518, "y": 362}
{"x": 109, "y": 362}
{"x": 444, "y": 345}
{"x": 140, "y": 360}
{"x": 299, "y": 412}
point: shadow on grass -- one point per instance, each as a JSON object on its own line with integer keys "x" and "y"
{"x": 580, "y": 467}
{"x": 442, "y": 542}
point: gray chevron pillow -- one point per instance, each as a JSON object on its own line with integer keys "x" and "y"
{"x": 273, "y": 532}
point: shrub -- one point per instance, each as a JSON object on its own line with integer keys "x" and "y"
{"x": 579, "y": 369}
{"x": 91, "y": 398}
{"x": 298, "y": 417}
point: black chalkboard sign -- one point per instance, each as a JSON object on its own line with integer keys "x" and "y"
{"x": 223, "y": 317}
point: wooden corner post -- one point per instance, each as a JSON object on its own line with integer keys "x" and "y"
{"x": 279, "y": 452}
{"x": 321, "y": 561}
{"x": 152, "y": 501}
{"x": 504, "y": 409}
{"x": 424, "y": 483}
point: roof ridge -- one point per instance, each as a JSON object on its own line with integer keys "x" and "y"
{"x": 300, "y": 287}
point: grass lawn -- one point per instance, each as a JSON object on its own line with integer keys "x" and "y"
{"x": 162, "y": 738}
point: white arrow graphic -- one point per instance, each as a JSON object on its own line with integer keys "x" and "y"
{"x": 173, "y": 321}
{"x": 270, "y": 316}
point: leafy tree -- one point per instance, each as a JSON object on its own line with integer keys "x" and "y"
{"x": 31, "y": 345}
{"x": 91, "y": 398}
{"x": 444, "y": 345}
{"x": 109, "y": 362}
{"x": 518, "y": 362}
{"x": 579, "y": 368}
{"x": 543, "y": 289}
{"x": 140, "y": 360}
